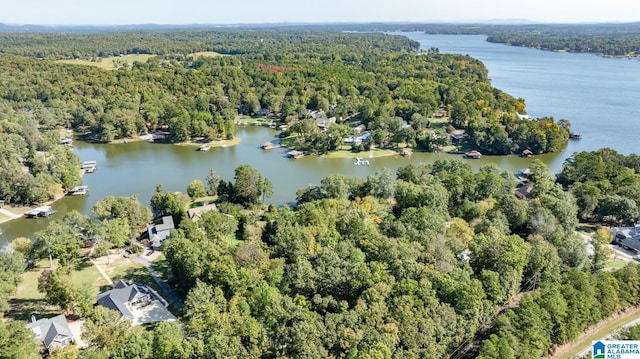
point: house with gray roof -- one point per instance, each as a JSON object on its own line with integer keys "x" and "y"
{"x": 195, "y": 213}
{"x": 136, "y": 302}
{"x": 158, "y": 232}
{"x": 52, "y": 332}
{"x": 123, "y": 297}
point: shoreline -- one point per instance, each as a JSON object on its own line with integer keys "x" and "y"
{"x": 19, "y": 211}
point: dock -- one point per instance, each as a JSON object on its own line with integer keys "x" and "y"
{"x": 473, "y": 155}
{"x": 78, "y": 191}
{"x": 295, "y": 154}
{"x": 89, "y": 166}
{"x": 360, "y": 162}
{"x": 43, "y": 211}
{"x": 269, "y": 146}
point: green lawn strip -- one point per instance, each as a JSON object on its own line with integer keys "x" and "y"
{"x": 613, "y": 264}
{"x": 205, "y": 54}
{"x": 130, "y": 271}
{"x": 110, "y": 63}
{"x": 364, "y": 154}
{"x": 221, "y": 143}
{"x": 254, "y": 120}
{"x": 608, "y": 328}
{"x": 29, "y": 301}
{"x": 201, "y": 201}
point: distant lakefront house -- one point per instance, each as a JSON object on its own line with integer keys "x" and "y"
{"x": 195, "y": 213}
{"x": 324, "y": 123}
{"x": 158, "y": 232}
{"x": 52, "y": 332}
{"x": 136, "y": 302}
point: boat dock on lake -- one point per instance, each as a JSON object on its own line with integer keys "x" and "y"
{"x": 89, "y": 166}
{"x": 78, "y": 191}
{"x": 43, "y": 211}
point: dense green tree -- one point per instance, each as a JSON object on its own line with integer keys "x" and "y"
{"x": 250, "y": 186}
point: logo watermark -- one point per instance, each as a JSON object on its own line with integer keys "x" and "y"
{"x": 615, "y": 349}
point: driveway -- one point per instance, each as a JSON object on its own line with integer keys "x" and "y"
{"x": 168, "y": 292}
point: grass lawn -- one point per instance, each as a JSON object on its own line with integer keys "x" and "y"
{"x": 364, "y": 154}
{"x": 29, "y": 301}
{"x": 215, "y": 143}
{"x": 201, "y": 201}
{"x": 205, "y": 54}
{"x": 110, "y": 63}
{"x": 254, "y": 120}
{"x": 613, "y": 264}
{"x": 121, "y": 268}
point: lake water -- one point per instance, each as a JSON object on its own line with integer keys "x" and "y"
{"x": 597, "y": 95}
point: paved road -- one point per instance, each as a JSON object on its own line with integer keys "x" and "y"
{"x": 165, "y": 288}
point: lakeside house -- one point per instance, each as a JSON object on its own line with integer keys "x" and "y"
{"x": 159, "y": 232}
{"x": 136, "y": 302}
{"x": 627, "y": 237}
{"x": 457, "y": 136}
{"x": 195, "y": 213}
{"x": 51, "y": 332}
{"x": 524, "y": 190}
{"x": 295, "y": 154}
{"x": 473, "y": 154}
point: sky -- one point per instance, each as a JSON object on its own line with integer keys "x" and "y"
{"x": 119, "y": 12}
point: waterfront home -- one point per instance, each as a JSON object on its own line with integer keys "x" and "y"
{"x": 295, "y": 154}
{"x": 51, "y": 332}
{"x": 324, "y": 123}
{"x": 473, "y": 154}
{"x": 136, "y": 302}
{"x": 195, "y": 213}
{"x": 524, "y": 190}
{"x": 159, "y": 232}
{"x": 457, "y": 136}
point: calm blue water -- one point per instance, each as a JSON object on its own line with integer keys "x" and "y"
{"x": 598, "y": 95}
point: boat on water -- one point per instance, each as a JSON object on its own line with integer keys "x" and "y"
{"x": 360, "y": 162}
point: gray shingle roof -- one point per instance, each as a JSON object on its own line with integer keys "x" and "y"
{"x": 52, "y": 331}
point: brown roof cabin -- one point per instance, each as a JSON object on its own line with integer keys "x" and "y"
{"x": 295, "y": 154}
{"x": 473, "y": 154}
{"x": 526, "y": 153}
